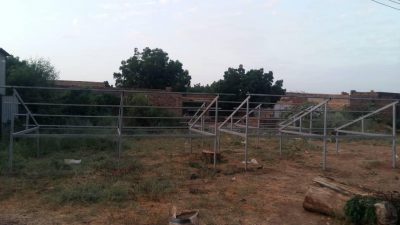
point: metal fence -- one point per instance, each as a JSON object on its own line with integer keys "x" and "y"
{"x": 51, "y": 112}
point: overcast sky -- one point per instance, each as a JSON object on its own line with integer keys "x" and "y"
{"x": 313, "y": 45}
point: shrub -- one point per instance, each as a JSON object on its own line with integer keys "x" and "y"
{"x": 360, "y": 210}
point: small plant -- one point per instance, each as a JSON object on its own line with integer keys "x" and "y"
{"x": 360, "y": 210}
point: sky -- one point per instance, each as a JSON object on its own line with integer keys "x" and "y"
{"x": 319, "y": 46}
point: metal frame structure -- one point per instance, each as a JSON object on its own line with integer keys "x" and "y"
{"x": 201, "y": 121}
{"x": 193, "y": 128}
{"x": 244, "y": 135}
{"x": 291, "y": 124}
{"x": 361, "y": 119}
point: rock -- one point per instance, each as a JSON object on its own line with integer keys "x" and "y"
{"x": 72, "y": 161}
{"x": 254, "y": 161}
{"x": 233, "y": 179}
{"x": 386, "y": 213}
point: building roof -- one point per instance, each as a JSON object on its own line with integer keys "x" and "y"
{"x": 3, "y": 52}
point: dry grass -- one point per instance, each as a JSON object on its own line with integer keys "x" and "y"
{"x": 155, "y": 174}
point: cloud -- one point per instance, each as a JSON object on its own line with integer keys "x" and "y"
{"x": 270, "y": 4}
{"x": 75, "y": 21}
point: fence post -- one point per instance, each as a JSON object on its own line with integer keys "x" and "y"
{"x": 246, "y": 135}
{"x": 258, "y": 126}
{"x": 11, "y": 145}
{"x": 325, "y": 133}
{"x": 120, "y": 123}
{"x": 394, "y": 150}
{"x": 216, "y": 140}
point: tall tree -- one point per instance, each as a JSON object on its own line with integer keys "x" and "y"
{"x": 152, "y": 68}
{"x": 33, "y": 72}
{"x": 239, "y": 82}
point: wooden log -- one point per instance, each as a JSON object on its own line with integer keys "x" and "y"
{"x": 329, "y": 197}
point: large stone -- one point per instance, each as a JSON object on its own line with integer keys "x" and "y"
{"x": 386, "y": 213}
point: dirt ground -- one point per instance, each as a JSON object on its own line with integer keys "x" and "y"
{"x": 270, "y": 192}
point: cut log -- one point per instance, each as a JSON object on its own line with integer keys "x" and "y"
{"x": 329, "y": 197}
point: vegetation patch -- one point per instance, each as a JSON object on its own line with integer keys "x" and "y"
{"x": 360, "y": 210}
{"x": 92, "y": 192}
{"x": 154, "y": 188}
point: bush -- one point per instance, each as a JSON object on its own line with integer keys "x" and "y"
{"x": 360, "y": 210}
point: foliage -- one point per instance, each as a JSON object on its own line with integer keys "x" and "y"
{"x": 361, "y": 210}
{"x": 33, "y": 72}
{"x": 240, "y": 82}
{"x": 152, "y": 69}
{"x": 148, "y": 112}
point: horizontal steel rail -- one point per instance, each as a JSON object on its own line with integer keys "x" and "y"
{"x": 368, "y": 115}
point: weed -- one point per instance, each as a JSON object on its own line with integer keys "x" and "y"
{"x": 84, "y": 193}
{"x": 154, "y": 188}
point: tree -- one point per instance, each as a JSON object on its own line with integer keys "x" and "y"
{"x": 152, "y": 69}
{"x": 256, "y": 81}
{"x": 33, "y": 72}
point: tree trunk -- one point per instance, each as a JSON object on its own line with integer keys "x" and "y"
{"x": 329, "y": 197}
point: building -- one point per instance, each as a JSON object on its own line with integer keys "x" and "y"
{"x": 79, "y": 84}
{"x": 9, "y": 104}
{"x": 3, "y": 56}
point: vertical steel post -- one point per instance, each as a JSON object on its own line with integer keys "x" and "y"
{"x": 202, "y": 129}
{"x": 311, "y": 122}
{"x": 325, "y": 133}
{"x": 258, "y": 126}
{"x": 300, "y": 124}
{"x": 337, "y": 142}
{"x": 11, "y": 145}
{"x": 232, "y": 123}
{"x": 246, "y": 134}
{"x": 190, "y": 140}
{"x": 280, "y": 144}
{"x": 120, "y": 123}
{"x": 216, "y": 140}
{"x": 394, "y": 150}
{"x": 37, "y": 143}
{"x": 362, "y": 126}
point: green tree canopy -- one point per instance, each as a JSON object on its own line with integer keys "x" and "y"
{"x": 152, "y": 68}
{"x": 240, "y": 82}
{"x": 33, "y": 72}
